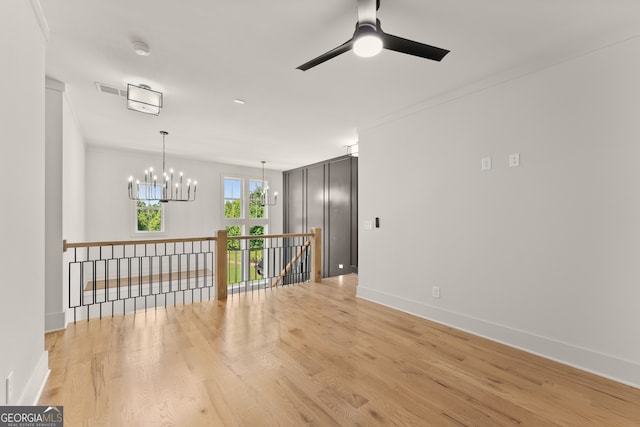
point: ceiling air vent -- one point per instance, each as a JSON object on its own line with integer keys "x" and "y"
{"x": 110, "y": 89}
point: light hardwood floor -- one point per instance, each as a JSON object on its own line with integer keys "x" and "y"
{"x": 312, "y": 355}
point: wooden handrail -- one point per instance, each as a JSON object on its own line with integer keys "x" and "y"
{"x": 290, "y": 264}
{"x": 66, "y": 245}
{"x": 221, "y": 253}
{"x": 269, "y": 236}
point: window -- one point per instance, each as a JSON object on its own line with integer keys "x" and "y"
{"x": 149, "y": 214}
{"x": 244, "y": 214}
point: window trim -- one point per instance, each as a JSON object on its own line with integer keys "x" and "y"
{"x": 134, "y": 232}
{"x": 244, "y": 222}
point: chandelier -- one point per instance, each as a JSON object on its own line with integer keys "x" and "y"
{"x": 264, "y": 196}
{"x": 169, "y": 188}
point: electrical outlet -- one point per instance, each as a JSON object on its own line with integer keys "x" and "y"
{"x": 435, "y": 292}
{"x": 9, "y": 388}
{"x": 340, "y": 266}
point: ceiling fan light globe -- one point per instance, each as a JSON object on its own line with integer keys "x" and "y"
{"x": 367, "y": 45}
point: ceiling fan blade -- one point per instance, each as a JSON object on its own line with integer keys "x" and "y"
{"x": 411, "y": 47}
{"x": 327, "y": 56}
{"x": 367, "y": 11}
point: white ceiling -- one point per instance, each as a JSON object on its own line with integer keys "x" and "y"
{"x": 206, "y": 53}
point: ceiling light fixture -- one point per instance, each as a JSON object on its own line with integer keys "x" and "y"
{"x": 141, "y": 98}
{"x": 367, "y": 42}
{"x": 141, "y": 48}
{"x": 167, "y": 189}
{"x": 240, "y": 101}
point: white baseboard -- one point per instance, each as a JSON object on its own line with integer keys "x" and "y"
{"x": 54, "y": 322}
{"x": 32, "y": 391}
{"x": 608, "y": 366}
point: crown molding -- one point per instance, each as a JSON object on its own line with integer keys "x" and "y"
{"x": 42, "y": 21}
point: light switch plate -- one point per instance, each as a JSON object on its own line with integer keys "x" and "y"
{"x": 514, "y": 160}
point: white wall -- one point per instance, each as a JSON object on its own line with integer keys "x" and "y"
{"x": 545, "y": 256}
{"x": 73, "y": 195}
{"x": 22, "y": 191}
{"x": 109, "y": 211}
{"x": 53, "y": 300}
{"x": 73, "y": 176}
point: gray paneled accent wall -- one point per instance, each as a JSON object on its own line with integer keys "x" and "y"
{"x": 326, "y": 195}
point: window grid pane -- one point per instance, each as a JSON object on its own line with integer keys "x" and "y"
{"x": 232, "y": 198}
{"x": 256, "y": 208}
{"x": 149, "y": 213}
{"x": 234, "y": 255}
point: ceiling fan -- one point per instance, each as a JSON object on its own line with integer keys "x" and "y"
{"x": 369, "y": 40}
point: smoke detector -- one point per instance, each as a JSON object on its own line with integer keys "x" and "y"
{"x": 141, "y": 48}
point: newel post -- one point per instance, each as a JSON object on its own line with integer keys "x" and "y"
{"x": 221, "y": 265}
{"x": 316, "y": 255}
